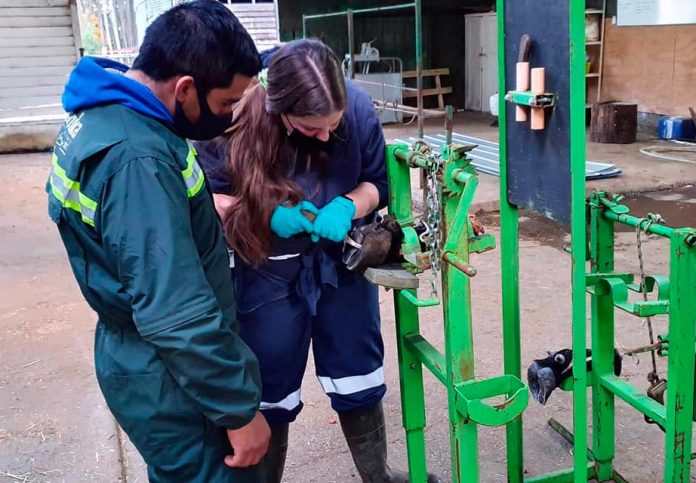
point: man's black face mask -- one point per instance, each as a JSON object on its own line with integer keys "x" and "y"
{"x": 209, "y": 125}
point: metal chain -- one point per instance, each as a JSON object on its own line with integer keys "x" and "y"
{"x": 433, "y": 214}
{"x": 649, "y": 221}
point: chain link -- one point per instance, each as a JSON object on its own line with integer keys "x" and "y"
{"x": 649, "y": 221}
{"x": 433, "y": 220}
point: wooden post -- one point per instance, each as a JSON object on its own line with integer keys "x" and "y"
{"x": 614, "y": 122}
{"x": 440, "y": 97}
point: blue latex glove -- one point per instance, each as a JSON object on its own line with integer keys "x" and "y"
{"x": 334, "y": 220}
{"x": 288, "y": 221}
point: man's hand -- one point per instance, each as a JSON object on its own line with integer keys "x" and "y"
{"x": 222, "y": 205}
{"x": 249, "y": 443}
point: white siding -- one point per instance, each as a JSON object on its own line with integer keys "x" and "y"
{"x": 260, "y": 20}
{"x": 38, "y": 48}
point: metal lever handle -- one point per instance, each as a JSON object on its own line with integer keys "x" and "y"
{"x": 459, "y": 264}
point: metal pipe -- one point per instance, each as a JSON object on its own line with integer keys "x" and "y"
{"x": 415, "y": 301}
{"x": 394, "y": 106}
{"x": 362, "y": 10}
{"x": 654, "y": 228}
{"x": 640, "y": 401}
{"x": 417, "y": 6}
{"x": 351, "y": 44}
{"x": 567, "y": 435}
{"x": 448, "y": 124}
{"x": 460, "y": 264}
{"x": 461, "y": 177}
{"x": 428, "y": 355}
{"x": 419, "y": 64}
{"x": 403, "y": 109}
{"x": 384, "y": 84}
{"x": 402, "y": 154}
{"x": 645, "y": 348}
{"x": 414, "y": 160}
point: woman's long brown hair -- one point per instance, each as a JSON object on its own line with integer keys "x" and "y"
{"x": 304, "y": 79}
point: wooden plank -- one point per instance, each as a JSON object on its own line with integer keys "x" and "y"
{"x": 33, "y": 81}
{"x": 44, "y": 71}
{"x": 24, "y": 52}
{"x": 59, "y": 11}
{"x": 20, "y": 22}
{"x": 38, "y": 91}
{"x": 38, "y": 42}
{"x": 440, "y": 97}
{"x": 411, "y": 74}
{"x": 428, "y": 92}
{"x": 32, "y": 3}
{"x": 34, "y": 32}
{"x": 28, "y": 102}
{"x": 34, "y": 61}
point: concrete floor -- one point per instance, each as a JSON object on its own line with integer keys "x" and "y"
{"x": 640, "y": 172}
{"x": 54, "y": 426}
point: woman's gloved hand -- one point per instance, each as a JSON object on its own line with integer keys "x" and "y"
{"x": 288, "y": 221}
{"x": 334, "y": 220}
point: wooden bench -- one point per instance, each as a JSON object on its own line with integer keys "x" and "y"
{"x": 438, "y": 91}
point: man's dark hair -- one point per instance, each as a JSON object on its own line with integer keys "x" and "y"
{"x": 202, "y": 39}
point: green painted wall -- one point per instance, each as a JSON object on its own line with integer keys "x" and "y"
{"x": 393, "y": 32}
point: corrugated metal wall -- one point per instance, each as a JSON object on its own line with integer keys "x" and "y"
{"x": 260, "y": 20}
{"x": 37, "y": 52}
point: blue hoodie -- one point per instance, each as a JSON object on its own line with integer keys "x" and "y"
{"x": 97, "y": 81}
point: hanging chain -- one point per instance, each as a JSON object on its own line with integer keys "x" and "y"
{"x": 433, "y": 219}
{"x": 653, "y": 377}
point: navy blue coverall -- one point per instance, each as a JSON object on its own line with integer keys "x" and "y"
{"x": 303, "y": 293}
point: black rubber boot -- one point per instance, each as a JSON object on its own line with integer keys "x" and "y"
{"x": 277, "y": 449}
{"x": 367, "y": 439}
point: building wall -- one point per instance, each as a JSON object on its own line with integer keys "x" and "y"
{"x": 653, "y": 66}
{"x": 260, "y": 21}
{"x": 39, "y": 42}
{"x": 394, "y": 32}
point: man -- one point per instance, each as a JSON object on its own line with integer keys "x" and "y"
{"x": 146, "y": 246}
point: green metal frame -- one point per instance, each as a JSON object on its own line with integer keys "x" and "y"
{"x": 675, "y": 296}
{"x": 455, "y": 368}
{"x": 509, "y": 244}
{"x": 468, "y": 397}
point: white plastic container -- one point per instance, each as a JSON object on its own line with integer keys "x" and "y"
{"x": 493, "y": 102}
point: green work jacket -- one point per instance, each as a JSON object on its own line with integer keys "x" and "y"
{"x": 146, "y": 247}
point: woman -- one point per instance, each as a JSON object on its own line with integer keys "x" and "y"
{"x": 306, "y": 163}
